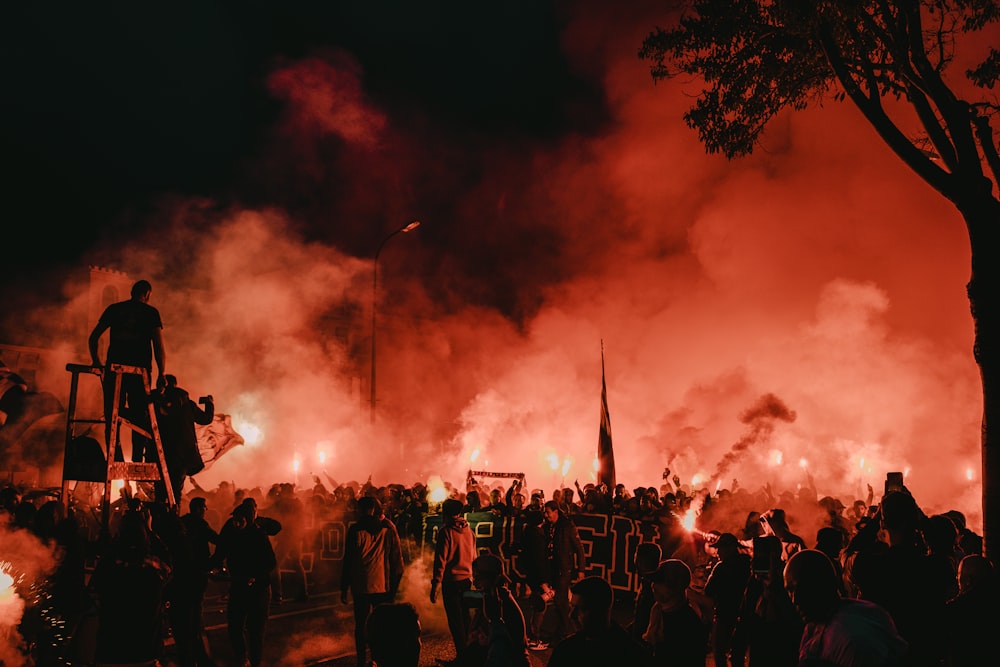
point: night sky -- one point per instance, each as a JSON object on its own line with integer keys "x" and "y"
{"x": 248, "y": 158}
{"x": 113, "y": 110}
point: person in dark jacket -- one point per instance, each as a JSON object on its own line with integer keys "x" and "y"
{"x": 565, "y": 561}
{"x": 454, "y": 551}
{"x": 600, "y": 641}
{"x": 497, "y": 636}
{"x": 839, "y": 632}
{"x": 973, "y": 616}
{"x": 128, "y": 581}
{"x": 176, "y": 416}
{"x": 676, "y": 632}
{"x": 249, "y": 557}
{"x": 647, "y": 558}
{"x": 726, "y": 587}
{"x": 200, "y": 537}
{"x": 372, "y": 567}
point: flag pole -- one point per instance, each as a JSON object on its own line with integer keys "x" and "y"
{"x": 605, "y": 450}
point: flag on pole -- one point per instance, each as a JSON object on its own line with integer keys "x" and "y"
{"x": 605, "y": 452}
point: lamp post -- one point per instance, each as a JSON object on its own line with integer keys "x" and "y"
{"x": 409, "y": 227}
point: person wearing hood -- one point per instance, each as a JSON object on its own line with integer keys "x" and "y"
{"x": 373, "y": 566}
{"x": 454, "y": 551}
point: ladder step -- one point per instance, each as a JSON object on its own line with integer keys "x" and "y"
{"x": 131, "y": 471}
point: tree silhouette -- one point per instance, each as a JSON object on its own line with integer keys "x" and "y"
{"x": 892, "y": 59}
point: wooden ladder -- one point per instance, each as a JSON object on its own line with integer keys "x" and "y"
{"x": 122, "y": 470}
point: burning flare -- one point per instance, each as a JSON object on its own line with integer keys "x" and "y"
{"x": 436, "y": 491}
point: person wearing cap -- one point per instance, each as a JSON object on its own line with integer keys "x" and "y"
{"x": 497, "y": 634}
{"x": 454, "y": 551}
{"x": 676, "y": 633}
{"x": 725, "y": 587}
{"x": 249, "y": 557}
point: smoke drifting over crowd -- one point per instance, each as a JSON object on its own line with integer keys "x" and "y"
{"x": 819, "y": 271}
{"x": 760, "y": 419}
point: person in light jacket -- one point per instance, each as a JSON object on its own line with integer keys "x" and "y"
{"x": 454, "y": 551}
{"x": 373, "y": 566}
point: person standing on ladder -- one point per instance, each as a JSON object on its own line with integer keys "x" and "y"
{"x": 135, "y": 339}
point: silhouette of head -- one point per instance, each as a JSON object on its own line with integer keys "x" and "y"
{"x": 670, "y": 581}
{"x": 590, "y": 601}
{"x": 647, "y": 558}
{"x": 812, "y": 585}
{"x": 141, "y": 289}
{"x": 451, "y": 508}
{"x": 369, "y": 506}
{"x": 393, "y": 632}
{"x": 488, "y": 572}
{"x": 900, "y": 512}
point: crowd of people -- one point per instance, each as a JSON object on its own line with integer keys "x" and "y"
{"x": 877, "y": 582}
{"x": 746, "y": 578}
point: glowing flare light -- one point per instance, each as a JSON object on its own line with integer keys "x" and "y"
{"x": 436, "y": 491}
{"x": 8, "y": 595}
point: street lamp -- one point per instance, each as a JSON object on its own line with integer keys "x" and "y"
{"x": 409, "y": 227}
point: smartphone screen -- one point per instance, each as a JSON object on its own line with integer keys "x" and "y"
{"x": 893, "y": 482}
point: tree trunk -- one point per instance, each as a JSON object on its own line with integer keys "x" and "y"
{"x": 982, "y": 215}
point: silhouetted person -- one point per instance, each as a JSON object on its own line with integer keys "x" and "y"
{"x": 830, "y": 541}
{"x": 135, "y": 339}
{"x": 969, "y": 542}
{"x": 497, "y": 636}
{"x": 565, "y": 561}
{"x": 774, "y": 522}
{"x": 941, "y": 537}
{"x": 128, "y": 581}
{"x": 600, "y": 641}
{"x": 393, "y": 631}
{"x": 676, "y": 632}
{"x": 176, "y": 416}
{"x": 246, "y": 550}
{"x": 372, "y": 567}
{"x": 769, "y": 628}
{"x": 972, "y": 618}
{"x": 725, "y": 587}
{"x": 899, "y": 578}
{"x": 288, "y": 543}
{"x": 531, "y": 562}
{"x": 647, "y": 558}
{"x": 454, "y": 551}
{"x": 839, "y": 632}
{"x": 200, "y": 536}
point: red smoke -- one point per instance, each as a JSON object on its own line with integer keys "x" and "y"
{"x": 819, "y": 270}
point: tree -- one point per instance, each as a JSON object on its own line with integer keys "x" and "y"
{"x": 891, "y": 59}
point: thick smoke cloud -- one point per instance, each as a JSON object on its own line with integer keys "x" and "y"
{"x": 819, "y": 271}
